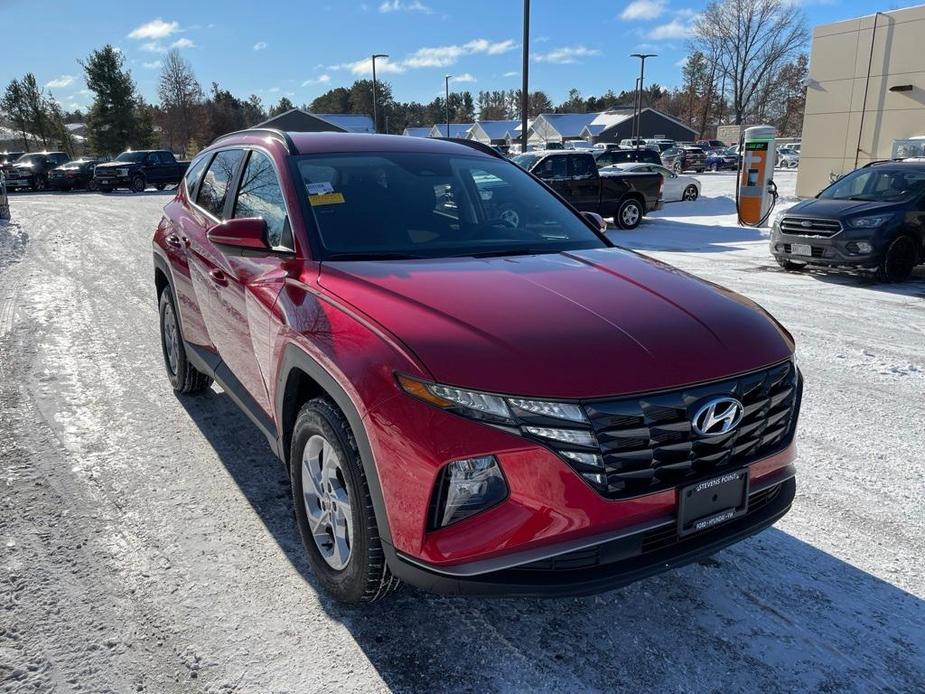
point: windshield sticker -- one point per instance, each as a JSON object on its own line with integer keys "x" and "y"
{"x": 319, "y": 188}
{"x": 326, "y": 199}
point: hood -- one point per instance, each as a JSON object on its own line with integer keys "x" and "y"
{"x": 116, "y": 165}
{"x": 834, "y": 209}
{"x": 572, "y": 325}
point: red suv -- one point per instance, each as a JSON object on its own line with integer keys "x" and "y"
{"x": 466, "y": 404}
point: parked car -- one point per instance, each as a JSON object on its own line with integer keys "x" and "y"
{"x": 621, "y": 156}
{"x": 631, "y": 142}
{"x": 721, "y": 160}
{"x": 138, "y": 170}
{"x": 684, "y": 158}
{"x": 660, "y": 145}
{"x": 7, "y": 159}
{"x": 463, "y": 405}
{"x": 677, "y": 187}
{"x": 77, "y": 173}
{"x": 30, "y": 171}
{"x": 787, "y": 158}
{"x": 711, "y": 144}
{"x": 582, "y": 145}
{"x": 574, "y": 176}
{"x": 872, "y": 218}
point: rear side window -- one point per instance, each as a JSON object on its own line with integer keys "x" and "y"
{"x": 260, "y": 195}
{"x": 194, "y": 172}
{"x": 213, "y": 191}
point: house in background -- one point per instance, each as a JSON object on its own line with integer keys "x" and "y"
{"x": 417, "y": 132}
{"x": 299, "y": 121}
{"x": 617, "y": 124}
{"x": 558, "y": 127}
{"x": 456, "y": 130}
{"x": 492, "y": 132}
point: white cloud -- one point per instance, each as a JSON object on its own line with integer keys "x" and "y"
{"x": 260, "y": 45}
{"x": 157, "y": 47}
{"x": 365, "y": 67}
{"x": 436, "y": 56}
{"x": 60, "y": 82}
{"x": 320, "y": 79}
{"x": 183, "y": 43}
{"x": 672, "y": 30}
{"x": 398, "y": 6}
{"x": 155, "y": 29}
{"x": 566, "y": 55}
{"x": 513, "y": 73}
{"x": 644, "y": 9}
{"x": 153, "y": 65}
{"x": 464, "y": 77}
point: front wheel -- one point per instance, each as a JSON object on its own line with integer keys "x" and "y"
{"x": 138, "y": 184}
{"x": 184, "y": 377}
{"x": 714, "y": 167}
{"x": 333, "y": 509}
{"x": 629, "y": 215}
{"x": 690, "y": 193}
{"x": 40, "y": 184}
{"x": 677, "y": 168}
{"x": 93, "y": 185}
{"x": 898, "y": 260}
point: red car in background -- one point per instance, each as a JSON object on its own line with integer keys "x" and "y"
{"x": 464, "y": 403}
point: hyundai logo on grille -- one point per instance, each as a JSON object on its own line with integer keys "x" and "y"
{"x": 806, "y": 223}
{"x": 718, "y": 416}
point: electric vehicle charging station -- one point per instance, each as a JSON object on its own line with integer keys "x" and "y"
{"x": 756, "y": 192}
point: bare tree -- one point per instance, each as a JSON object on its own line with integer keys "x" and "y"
{"x": 752, "y": 40}
{"x": 180, "y": 94}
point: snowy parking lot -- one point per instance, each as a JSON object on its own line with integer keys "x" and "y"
{"x": 147, "y": 540}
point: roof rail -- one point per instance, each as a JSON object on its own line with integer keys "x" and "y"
{"x": 475, "y": 144}
{"x": 272, "y": 132}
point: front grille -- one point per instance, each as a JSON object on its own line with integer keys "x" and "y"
{"x": 810, "y": 226}
{"x": 646, "y": 443}
{"x": 650, "y": 541}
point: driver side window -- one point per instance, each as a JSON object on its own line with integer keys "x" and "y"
{"x": 551, "y": 168}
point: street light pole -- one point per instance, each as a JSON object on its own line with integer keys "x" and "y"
{"x": 525, "y": 86}
{"x": 637, "y": 112}
{"x": 375, "y": 96}
{"x": 446, "y": 100}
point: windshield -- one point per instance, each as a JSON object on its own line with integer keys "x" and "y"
{"x": 876, "y": 185}
{"x": 526, "y": 161}
{"x": 387, "y": 206}
{"x": 131, "y": 156}
{"x": 31, "y": 159}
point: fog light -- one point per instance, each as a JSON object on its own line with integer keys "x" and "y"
{"x": 468, "y": 487}
{"x": 864, "y": 247}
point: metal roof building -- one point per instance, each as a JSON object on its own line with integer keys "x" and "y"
{"x": 299, "y": 121}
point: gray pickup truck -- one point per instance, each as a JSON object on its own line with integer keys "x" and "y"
{"x": 625, "y": 196}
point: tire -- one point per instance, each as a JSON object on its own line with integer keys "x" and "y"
{"x": 40, "y": 185}
{"x": 898, "y": 261}
{"x": 160, "y": 186}
{"x": 714, "y": 167}
{"x": 699, "y": 170}
{"x": 328, "y": 481}
{"x": 138, "y": 184}
{"x": 629, "y": 214}
{"x": 677, "y": 168}
{"x": 789, "y": 265}
{"x": 93, "y": 185}
{"x": 690, "y": 193}
{"x": 183, "y": 376}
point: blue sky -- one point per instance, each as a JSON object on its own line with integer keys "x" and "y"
{"x": 301, "y": 49}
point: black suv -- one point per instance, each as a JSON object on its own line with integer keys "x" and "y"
{"x": 77, "y": 173}
{"x": 685, "y": 158}
{"x": 30, "y": 171}
{"x": 623, "y": 156}
{"x": 872, "y": 218}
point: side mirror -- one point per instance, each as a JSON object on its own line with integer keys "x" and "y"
{"x": 595, "y": 220}
{"x": 246, "y": 234}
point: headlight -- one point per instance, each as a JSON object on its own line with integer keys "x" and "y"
{"x": 869, "y": 222}
{"x": 122, "y": 172}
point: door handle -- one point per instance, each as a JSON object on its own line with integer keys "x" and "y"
{"x": 218, "y": 277}
{"x": 173, "y": 240}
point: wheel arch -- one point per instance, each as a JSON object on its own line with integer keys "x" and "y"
{"x": 302, "y": 378}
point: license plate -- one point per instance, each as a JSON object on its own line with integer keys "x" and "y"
{"x": 709, "y": 503}
{"x": 801, "y": 249}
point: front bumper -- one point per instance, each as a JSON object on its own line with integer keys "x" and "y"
{"x": 608, "y": 564}
{"x": 113, "y": 181}
{"x": 14, "y": 183}
{"x": 838, "y": 250}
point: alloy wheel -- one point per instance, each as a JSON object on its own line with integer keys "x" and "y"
{"x": 327, "y": 501}
{"x": 690, "y": 193}
{"x": 171, "y": 338}
{"x": 630, "y": 215}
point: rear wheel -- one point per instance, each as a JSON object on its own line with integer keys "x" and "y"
{"x": 184, "y": 377}
{"x": 898, "y": 260}
{"x": 629, "y": 215}
{"x": 677, "y": 168}
{"x": 714, "y": 167}
{"x": 333, "y": 509}
{"x": 690, "y": 193}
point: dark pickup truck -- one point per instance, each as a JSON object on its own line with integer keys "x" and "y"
{"x": 140, "y": 169}
{"x": 625, "y": 196}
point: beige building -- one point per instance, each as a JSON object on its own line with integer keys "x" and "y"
{"x": 866, "y": 88}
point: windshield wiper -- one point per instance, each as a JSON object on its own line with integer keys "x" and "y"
{"x": 506, "y": 251}
{"x": 368, "y": 255}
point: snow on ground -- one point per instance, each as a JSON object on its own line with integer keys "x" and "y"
{"x": 146, "y": 540}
